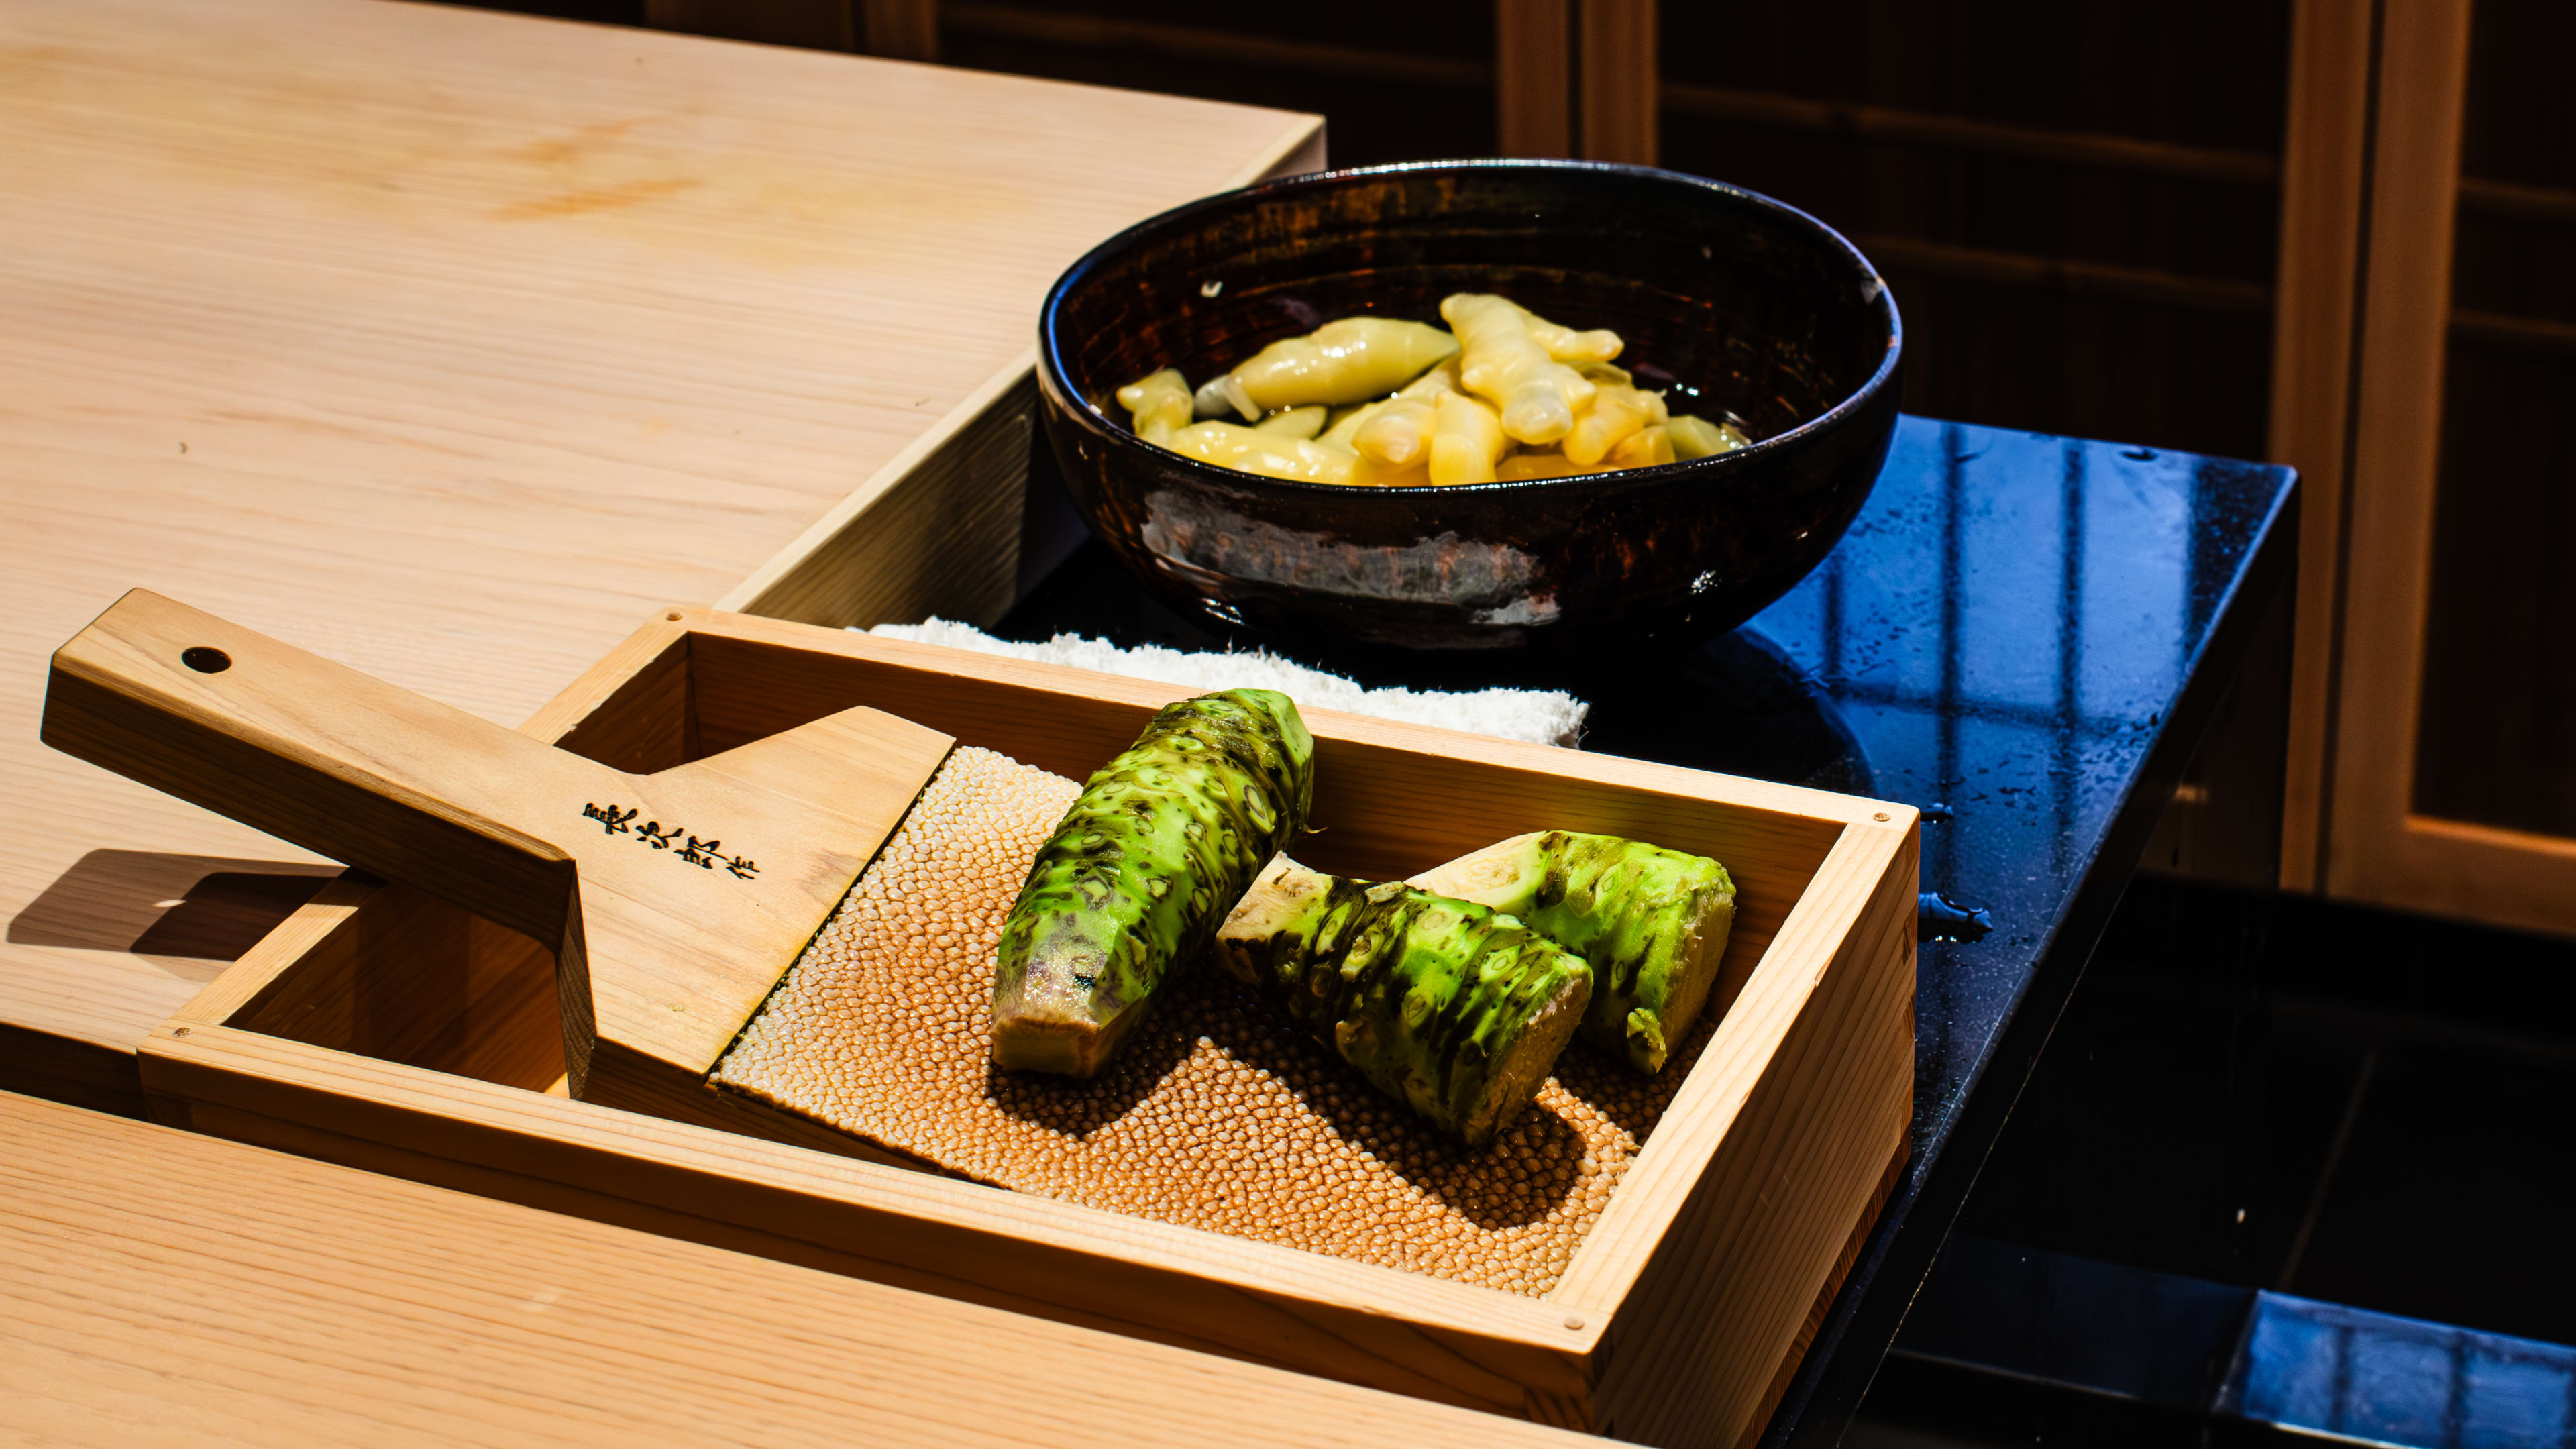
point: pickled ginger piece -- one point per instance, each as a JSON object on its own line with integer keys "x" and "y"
{"x": 1344, "y": 423}
{"x": 1466, "y": 441}
{"x": 1545, "y": 463}
{"x": 1346, "y": 361}
{"x": 1249, "y": 450}
{"x": 1159, "y": 404}
{"x": 1365, "y": 474}
{"x": 1299, "y": 422}
{"x": 1644, "y": 449}
{"x": 1616, "y": 415}
{"x": 1398, "y": 434}
{"x": 1212, "y": 400}
{"x": 1699, "y": 438}
{"x": 1567, "y": 345}
{"x": 1501, "y": 362}
{"x": 1441, "y": 378}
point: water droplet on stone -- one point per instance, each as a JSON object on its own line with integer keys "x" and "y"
{"x": 1937, "y": 918}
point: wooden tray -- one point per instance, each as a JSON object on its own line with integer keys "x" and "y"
{"x": 382, "y": 1029}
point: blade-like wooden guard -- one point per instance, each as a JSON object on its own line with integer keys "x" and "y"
{"x": 673, "y": 901}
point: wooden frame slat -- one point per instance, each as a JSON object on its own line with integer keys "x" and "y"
{"x": 2316, "y": 303}
{"x": 1619, "y": 90}
{"x": 899, "y": 29}
{"x": 2377, "y": 848}
{"x": 1533, "y": 85}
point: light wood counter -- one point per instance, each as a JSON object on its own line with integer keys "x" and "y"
{"x": 161, "y": 1287}
{"x": 449, "y": 345}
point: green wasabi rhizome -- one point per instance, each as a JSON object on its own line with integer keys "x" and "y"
{"x": 1451, "y": 1007}
{"x": 1652, "y": 922}
{"x": 1136, "y": 878}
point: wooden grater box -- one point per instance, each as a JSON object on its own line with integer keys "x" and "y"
{"x": 382, "y": 1029}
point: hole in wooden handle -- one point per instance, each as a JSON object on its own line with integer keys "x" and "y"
{"x": 206, "y": 660}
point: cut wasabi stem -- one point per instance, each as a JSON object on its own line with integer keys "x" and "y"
{"x": 1652, "y": 922}
{"x": 1453, "y": 1008}
{"x": 1140, "y": 872}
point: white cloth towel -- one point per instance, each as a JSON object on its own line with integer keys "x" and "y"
{"x": 1538, "y": 716}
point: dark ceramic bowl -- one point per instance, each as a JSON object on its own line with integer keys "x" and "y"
{"x": 1733, "y": 301}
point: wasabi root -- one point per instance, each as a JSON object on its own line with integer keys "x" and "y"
{"x": 1137, "y": 877}
{"x": 1456, "y": 1009}
{"x": 1651, "y": 922}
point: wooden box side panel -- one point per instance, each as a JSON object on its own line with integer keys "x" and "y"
{"x": 1700, "y": 1335}
{"x": 625, "y": 1079}
{"x": 633, "y": 712}
{"x": 1390, "y": 801}
{"x": 1805, "y": 1338}
{"x": 1030, "y": 1255}
{"x": 401, "y": 977}
{"x": 757, "y": 683}
{"x": 407, "y": 978}
{"x": 942, "y": 530}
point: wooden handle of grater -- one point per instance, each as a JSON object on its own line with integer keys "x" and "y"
{"x": 321, "y": 755}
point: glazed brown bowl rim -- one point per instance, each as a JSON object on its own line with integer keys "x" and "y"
{"x": 1092, "y": 417}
